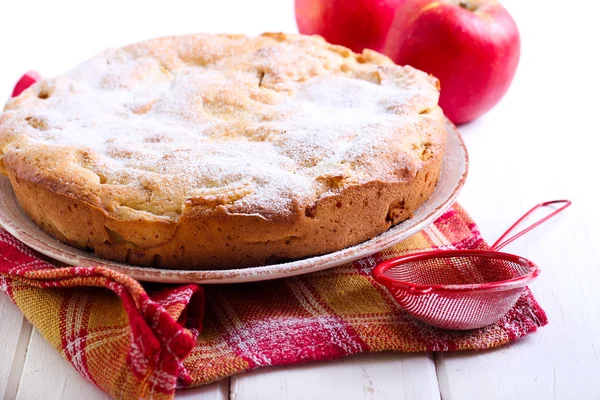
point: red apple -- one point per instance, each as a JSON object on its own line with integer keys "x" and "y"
{"x": 471, "y": 46}
{"x": 25, "y": 81}
{"x": 357, "y": 24}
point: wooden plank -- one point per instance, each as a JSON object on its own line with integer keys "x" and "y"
{"x": 216, "y": 391}
{"x": 46, "y": 375}
{"x": 14, "y": 338}
{"x": 524, "y": 152}
{"x": 368, "y": 376}
{"x": 560, "y": 361}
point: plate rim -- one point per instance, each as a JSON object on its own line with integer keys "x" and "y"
{"x": 76, "y": 257}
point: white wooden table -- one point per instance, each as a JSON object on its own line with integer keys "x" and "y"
{"x": 541, "y": 142}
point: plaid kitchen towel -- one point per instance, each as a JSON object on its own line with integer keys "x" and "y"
{"x": 144, "y": 340}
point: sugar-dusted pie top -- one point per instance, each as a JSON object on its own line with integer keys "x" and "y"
{"x": 263, "y": 125}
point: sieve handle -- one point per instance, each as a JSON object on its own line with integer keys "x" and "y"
{"x": 501, "y": 242}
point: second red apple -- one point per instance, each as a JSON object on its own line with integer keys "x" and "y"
{"x": 471, "y": 46}
{"x": 357, "y": 24}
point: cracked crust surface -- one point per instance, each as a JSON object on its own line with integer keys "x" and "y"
{"x": 205, "y": 151}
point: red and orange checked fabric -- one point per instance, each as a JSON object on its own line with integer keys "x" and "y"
{"x": 144, "y": 340}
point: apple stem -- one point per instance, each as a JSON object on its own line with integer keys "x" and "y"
{"x": 470, "y": 5}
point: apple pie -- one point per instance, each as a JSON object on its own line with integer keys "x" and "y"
{"x": 224, "y": 151}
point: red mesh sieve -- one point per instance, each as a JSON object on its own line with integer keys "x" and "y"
{"x": 462, "y": 289}
{"x": 459, "y": 290}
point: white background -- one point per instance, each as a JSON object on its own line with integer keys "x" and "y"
{"x": 540, "y": 143}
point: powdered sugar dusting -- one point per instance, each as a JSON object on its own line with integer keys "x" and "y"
{"x": 253, "y": 125}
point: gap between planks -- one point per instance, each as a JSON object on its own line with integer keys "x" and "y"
{"x": 215, "y": 391}
{"x": 16, "y": 368}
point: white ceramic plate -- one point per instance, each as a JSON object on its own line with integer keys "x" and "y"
{"x": 452, "y": 178}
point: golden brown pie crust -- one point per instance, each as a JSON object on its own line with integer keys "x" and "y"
{"x": 145, "y": 171}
